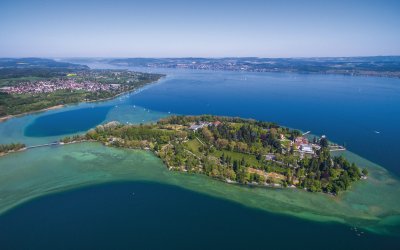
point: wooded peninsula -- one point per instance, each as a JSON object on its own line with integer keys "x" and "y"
{"x": 236, "y": 150}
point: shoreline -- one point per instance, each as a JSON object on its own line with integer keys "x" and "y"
{"x": 364, "y": 221}
{"x": 59, "y": 106}
{"x": 13, "y": 151}
{"x": 350, "y": 74}
{"x": 5, "y": 118}
{"x": 44, "y": 145}
{"x": 168, "y": 166}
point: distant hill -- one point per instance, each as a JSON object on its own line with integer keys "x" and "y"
{"x": 32, "y": 62}
{"x": 385, "y": 66}
{"x": 36, "y": 67}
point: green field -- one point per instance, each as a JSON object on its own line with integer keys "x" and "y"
{"x": 193, "y": 146}
{"x": 251, "y": 159}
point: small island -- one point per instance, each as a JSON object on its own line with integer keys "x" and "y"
{"x": 236, "y": 150}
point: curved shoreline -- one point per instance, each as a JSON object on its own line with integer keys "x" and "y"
{"x": 59, "y": 106}
{"x": 5, "y": 118}
{"x": 91, "y": 165}
{"x": 304, "y": 215}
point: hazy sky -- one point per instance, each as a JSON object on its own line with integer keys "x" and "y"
{"x": 152, "y": 28}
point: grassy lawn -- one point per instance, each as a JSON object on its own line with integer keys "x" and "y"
{"x": 251, "y": 159}
{"x": 193, "y": 145}
{"x": 285, "y": 143}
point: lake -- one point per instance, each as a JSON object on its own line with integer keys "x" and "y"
{"x": 362, "y": 113}
{"x": 143, "y": 215}
{"x": 350, "y": 110}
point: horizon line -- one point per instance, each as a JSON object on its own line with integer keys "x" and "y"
{"x": 188, "y": 57}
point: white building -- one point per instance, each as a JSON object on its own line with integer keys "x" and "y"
{"x": 306, "y": 148}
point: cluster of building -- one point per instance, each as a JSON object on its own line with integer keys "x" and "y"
{"x": 301, "y": 143}
{"x": 304, "y": 146}
{"x": 196, "y": 126}
{"x": 231, "y": 66}
{"x": 340, "y": 66}
{"x": 58, "y": 84}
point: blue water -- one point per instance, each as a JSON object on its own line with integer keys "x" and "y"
{"x": 154, "y": 216}
{"x": 67, "y": 122}
{"x": 363, "y": 113}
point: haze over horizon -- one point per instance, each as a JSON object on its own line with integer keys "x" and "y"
{"x": 276, "y": 29}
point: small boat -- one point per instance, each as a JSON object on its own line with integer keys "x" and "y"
{"x": 377, "y": 132}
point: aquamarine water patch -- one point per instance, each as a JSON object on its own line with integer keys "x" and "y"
{"x": 370, "y": 204}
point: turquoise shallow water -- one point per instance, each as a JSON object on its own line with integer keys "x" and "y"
{"x": 349, "y": 110}
{"x": 52, "y": 125}
{"x": 133, "y": 200}
{"x": 148, "y": 220}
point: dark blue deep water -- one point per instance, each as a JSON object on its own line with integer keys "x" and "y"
{"x": 67, "y": 122}
{"x": 362, "y": 113}
{"x": 136, "y": 215}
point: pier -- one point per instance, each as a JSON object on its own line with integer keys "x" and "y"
{"x": 333, "y": 148}
{"x": 44, "y": 145}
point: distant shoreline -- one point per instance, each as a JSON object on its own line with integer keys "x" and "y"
{"x": 5, "y": 118}
{"x": 59, "y": 106}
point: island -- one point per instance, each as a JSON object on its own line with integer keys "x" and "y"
{"x": 235, "y": 150}
{"x": 29, "y": 85}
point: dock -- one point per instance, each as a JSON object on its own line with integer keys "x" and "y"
{"x": 336, "y": 148}
{"x": 44, "y": 145}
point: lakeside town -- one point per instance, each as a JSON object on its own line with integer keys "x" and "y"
{"x": 87, "y": 80}
{"x": 378, "y": 66}
{"x": 23, "y": 93}
{"x": 48, "y": 86}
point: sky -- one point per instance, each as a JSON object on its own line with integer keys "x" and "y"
{"x": 201, "y": 28}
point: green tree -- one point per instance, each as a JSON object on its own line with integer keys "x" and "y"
{"x": 323, "y": 142}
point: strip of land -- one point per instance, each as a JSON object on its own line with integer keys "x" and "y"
{"x": 375, "y": 66}
{"x": 5, "y": 118}
{"x": 236, "y": 150}
{"x": 25, "y": 90}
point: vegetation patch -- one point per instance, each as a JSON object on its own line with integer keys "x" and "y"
{"x": 236, "y": 150}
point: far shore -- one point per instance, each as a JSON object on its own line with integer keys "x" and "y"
{"x": 5, "y": 118}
